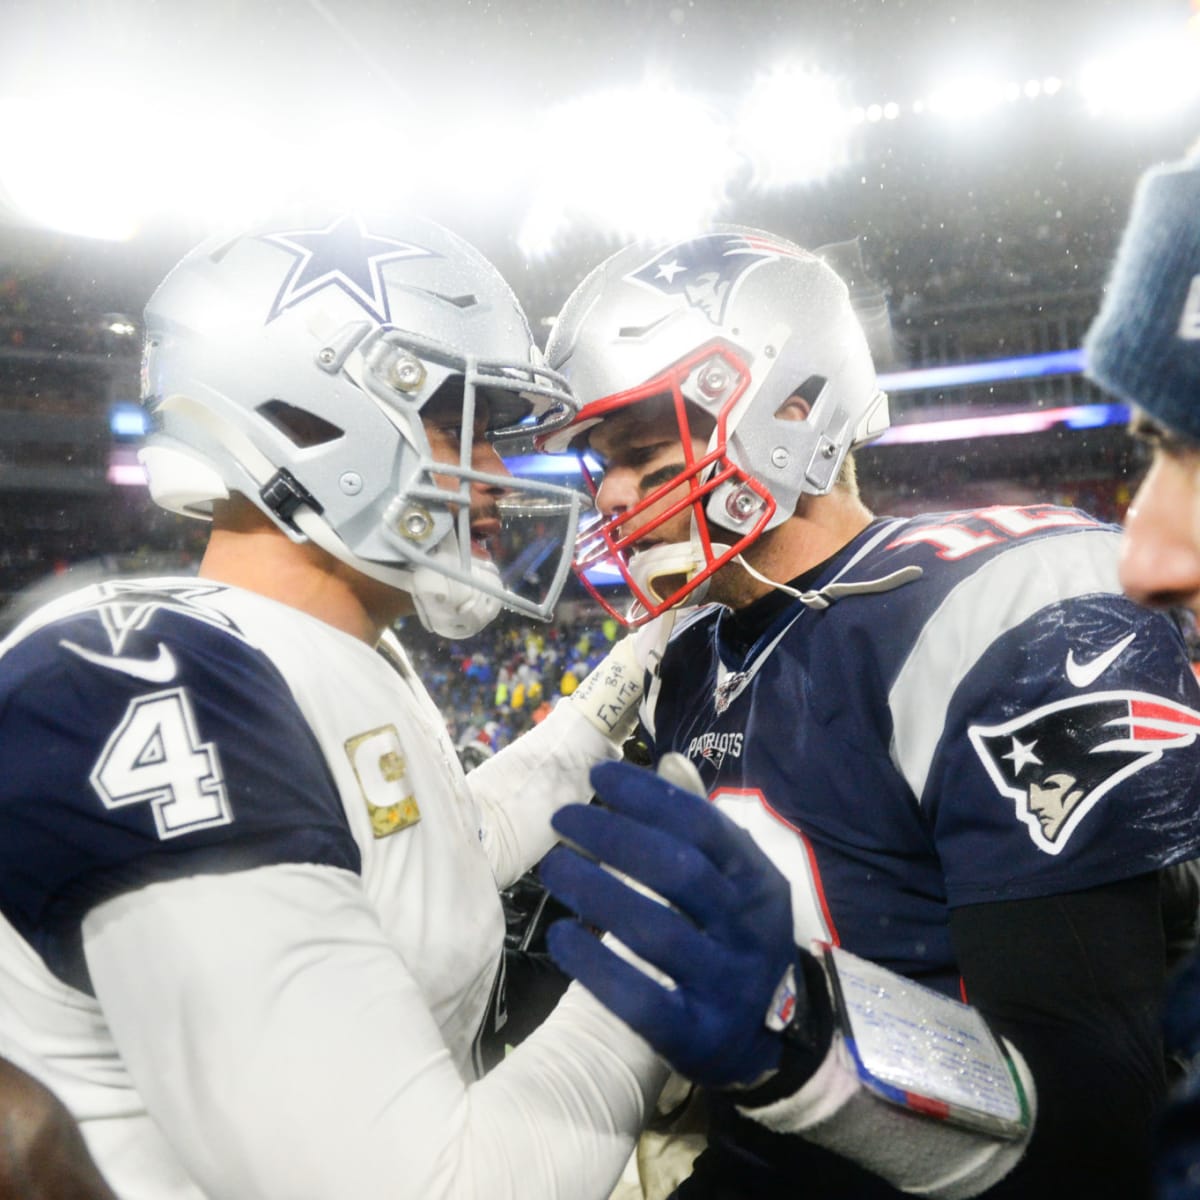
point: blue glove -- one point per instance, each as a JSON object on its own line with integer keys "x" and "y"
{"x": 726, "y": 942}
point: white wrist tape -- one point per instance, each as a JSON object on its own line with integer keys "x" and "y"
{"x": 914, "y": 1087}
{"x": 917, "y": 1154}
{"x": 610, "y": 694}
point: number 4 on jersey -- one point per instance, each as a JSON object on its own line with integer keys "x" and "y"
{"x": 155, "y": 757}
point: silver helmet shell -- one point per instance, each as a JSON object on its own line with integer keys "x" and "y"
{"x": 732, "y": 322}
{"x": 291, "y": 362}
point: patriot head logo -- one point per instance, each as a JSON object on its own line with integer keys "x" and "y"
{"x": 342, "y": 255}
{"x": 1059, "y": 761}
{"x": 707, "y": 270}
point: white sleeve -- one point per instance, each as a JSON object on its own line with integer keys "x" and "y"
{"x": 285, "y": 1050}
{"x": 519, "y": 789}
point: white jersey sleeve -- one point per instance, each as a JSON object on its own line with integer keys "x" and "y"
{"x": 301, "y": 1059}
{"x": 519, "y": 789}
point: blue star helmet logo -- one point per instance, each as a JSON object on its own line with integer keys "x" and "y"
{"x": 707, "y": 270}
{"x": 342, "y": 255}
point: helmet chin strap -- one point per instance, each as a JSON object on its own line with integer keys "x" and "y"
{"x": 675, "y": 559}
{"x": 831, "y": 592}
{"x": 451, "y": 608}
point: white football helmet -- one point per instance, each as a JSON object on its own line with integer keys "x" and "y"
{"x": 730, "y": 323}
{"x": 291, "y": 364}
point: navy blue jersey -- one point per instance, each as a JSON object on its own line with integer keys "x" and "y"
{"x": 126, "y": 758}
{"x": 967, "y": 710}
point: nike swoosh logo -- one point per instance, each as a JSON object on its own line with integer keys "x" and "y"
{"x": 1082, "y": 675}
{"x": 153, "y": 670}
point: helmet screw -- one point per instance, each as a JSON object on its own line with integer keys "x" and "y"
{"x": 768, "y": 352}
{"x": 416, "y": 524}
{"x": 780, "y": 457}
{"x": 742, "y": 504}
{"x": 407, "y": 373}
{"x": 828, "y": 450}
{"x": 326, "y": 356}
{"x": 351, "y": 483}
{"x": 713, "y": 381}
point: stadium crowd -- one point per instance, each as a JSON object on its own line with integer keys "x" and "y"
{"x": 494, "y": 686}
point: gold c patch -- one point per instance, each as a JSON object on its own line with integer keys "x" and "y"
{"x": 382, "y": 776}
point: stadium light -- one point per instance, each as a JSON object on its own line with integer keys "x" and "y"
{"x": 644, "y": 161}
{"x": 1150, "y": 78}
{"x": 59, "y": 173}
{"x": 792, "y": 127}
{"x": 966, "y": 96}
{"x": 648, "y": 160}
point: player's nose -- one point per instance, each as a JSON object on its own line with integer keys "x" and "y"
{"x": 618, "y": 491}
{"x": 486, "y": 459}
{"x": 1160, "y": 553}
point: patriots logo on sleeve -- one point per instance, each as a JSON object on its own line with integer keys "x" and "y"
{"x": 1057, "y": 762}
{"x": 707, "y": 270}
{"x": 342, "y": 255}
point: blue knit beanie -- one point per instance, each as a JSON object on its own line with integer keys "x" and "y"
{"x": 1144, "y": 346}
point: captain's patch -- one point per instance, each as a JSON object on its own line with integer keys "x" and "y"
{"x": 382, "y": 775}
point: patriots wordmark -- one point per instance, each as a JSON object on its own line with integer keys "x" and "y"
{"x": 713, "y": 747}
{"x": 1057, "y": 762}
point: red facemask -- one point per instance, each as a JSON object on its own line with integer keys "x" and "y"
{"x": 662, "y": 581}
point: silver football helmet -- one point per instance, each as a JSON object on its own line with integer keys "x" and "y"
{"x": 293, "y": 363}
{"x": 730, "y": 323}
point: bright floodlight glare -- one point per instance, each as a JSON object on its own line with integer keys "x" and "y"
{"x": 218, "y": 160}
{"x": 645, "y": 161}
{"x": 427, "y": 158}
{"x": 227, "y": 161}
{"x": 212, "y": 163}
{"x": 966, "y": 96}
{"x": 1151, "y": 77}
{"x": 58, "y": 173}
{"x": 544, "y": 224}
{"x": 792, "y": 127}
{"x": 246, "y": 167}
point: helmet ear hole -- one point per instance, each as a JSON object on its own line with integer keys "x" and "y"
{"x": 794, "y": 408}
{"x": 302, "y": 428}
{"x": 800, "y": 403}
